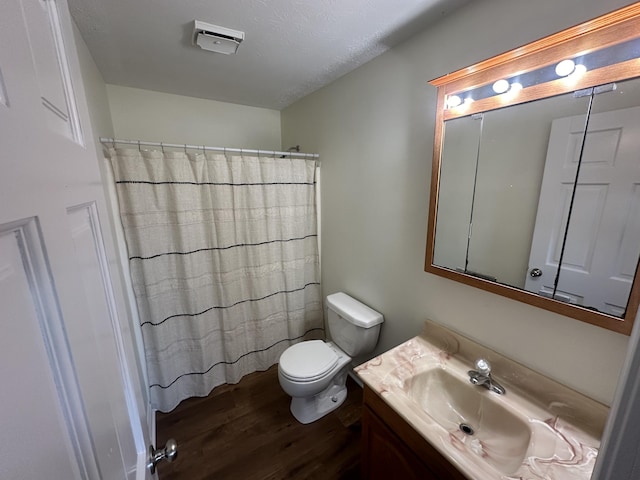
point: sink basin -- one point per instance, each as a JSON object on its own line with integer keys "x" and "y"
{"x": 474, "y": 417}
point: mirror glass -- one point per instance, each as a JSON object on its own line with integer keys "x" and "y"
{"x": 455, "y": 197}
{"x": 512, "y": 159}
{"x": 602, "y": 248}
{"x": 508, "y": 192}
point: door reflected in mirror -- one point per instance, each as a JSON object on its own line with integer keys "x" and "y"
{"x": 603, "y": 240}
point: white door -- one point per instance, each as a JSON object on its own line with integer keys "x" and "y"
{"x": 70, "y": 393}
{"x": 602, "y": 247}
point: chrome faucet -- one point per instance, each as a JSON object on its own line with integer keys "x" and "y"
{"x": 482, "y": 376}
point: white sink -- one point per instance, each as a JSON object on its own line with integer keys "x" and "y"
{"x": 474, "y": 416}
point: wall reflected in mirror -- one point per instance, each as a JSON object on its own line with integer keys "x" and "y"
{"x": 455, "y": 197}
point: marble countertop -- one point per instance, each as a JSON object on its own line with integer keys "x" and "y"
{"x": 565, "y": 426}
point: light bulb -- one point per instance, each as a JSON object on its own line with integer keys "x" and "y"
{"x": 565, "y": 67}
{"x": 453, "y": 101}
{"x": 501, "y": 86}
{"x": 579, "y": 70}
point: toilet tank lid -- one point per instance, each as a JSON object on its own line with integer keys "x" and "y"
{"x": 354, "y": 311}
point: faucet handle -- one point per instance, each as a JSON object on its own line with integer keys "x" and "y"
{"x": 483, "y": 367}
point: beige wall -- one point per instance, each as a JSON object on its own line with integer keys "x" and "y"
{"x": 153, "y": 116}
{"x": 373, "y": 129}
{"x": 95, "y": 90}
{"x": 132, "y": 113}
{"x": 101, "y": 125}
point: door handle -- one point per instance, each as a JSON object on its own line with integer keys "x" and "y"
{"x": 169, "y": 452}
{"x": 535, "y": 272}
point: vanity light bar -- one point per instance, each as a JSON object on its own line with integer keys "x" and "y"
{"x": 568, "y": 68}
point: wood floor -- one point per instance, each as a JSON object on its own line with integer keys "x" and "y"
{"x": 246, "y": 432}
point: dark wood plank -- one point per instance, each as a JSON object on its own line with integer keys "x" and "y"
{"x": 247, "y": 432}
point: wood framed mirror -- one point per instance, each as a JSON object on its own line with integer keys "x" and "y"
{"x": 535, "y": 186}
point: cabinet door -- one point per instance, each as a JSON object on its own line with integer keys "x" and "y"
{"x": 385, "y": 456}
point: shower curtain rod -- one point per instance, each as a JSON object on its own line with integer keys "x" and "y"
{"x": 140, "y": 143}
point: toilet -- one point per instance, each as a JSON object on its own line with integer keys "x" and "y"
{"x": 314, "y": 372}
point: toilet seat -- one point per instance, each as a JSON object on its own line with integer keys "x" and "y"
{"x": 307, "y": 361}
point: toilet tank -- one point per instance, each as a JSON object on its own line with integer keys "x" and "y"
{"x": 354, "y": 327}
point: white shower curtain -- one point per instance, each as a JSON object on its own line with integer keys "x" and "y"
{"x": 224, "y": 262}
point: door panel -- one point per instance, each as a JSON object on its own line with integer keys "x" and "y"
{"x": 586, "y": 218}
{"x": 99, "y": 305}
{"x": 563, "y": 154}
{"x": 603, "y": 221}
{"x": 601, "y": 250}
{"x": 52, "y": 70}
{"x": 28, "y": 368}
{"x": 70, "y": 390}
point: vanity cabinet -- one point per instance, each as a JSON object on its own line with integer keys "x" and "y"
{"x": 392, "y": 449}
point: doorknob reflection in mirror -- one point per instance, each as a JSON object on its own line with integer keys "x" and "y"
{"x": 535, "y": 272}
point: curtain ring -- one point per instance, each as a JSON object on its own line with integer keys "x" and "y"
{"x": 139, "y": 148}
{"x": 204, "y": 152}
{"x": 185, "y": 148}
{"x": 113, "y": 143}
{"x": 162, "y": 147}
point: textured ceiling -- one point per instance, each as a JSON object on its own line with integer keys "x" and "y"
{"x": 291, "y": 47}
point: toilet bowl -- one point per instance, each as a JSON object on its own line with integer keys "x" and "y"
{"x": 314, "y": 372}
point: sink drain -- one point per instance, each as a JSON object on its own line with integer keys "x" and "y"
{"x": 468, "y": 429}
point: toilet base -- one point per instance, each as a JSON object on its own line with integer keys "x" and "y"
{"x": 310, "y": 409}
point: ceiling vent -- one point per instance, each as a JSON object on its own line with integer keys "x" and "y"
{"x": 216, "y": 39}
